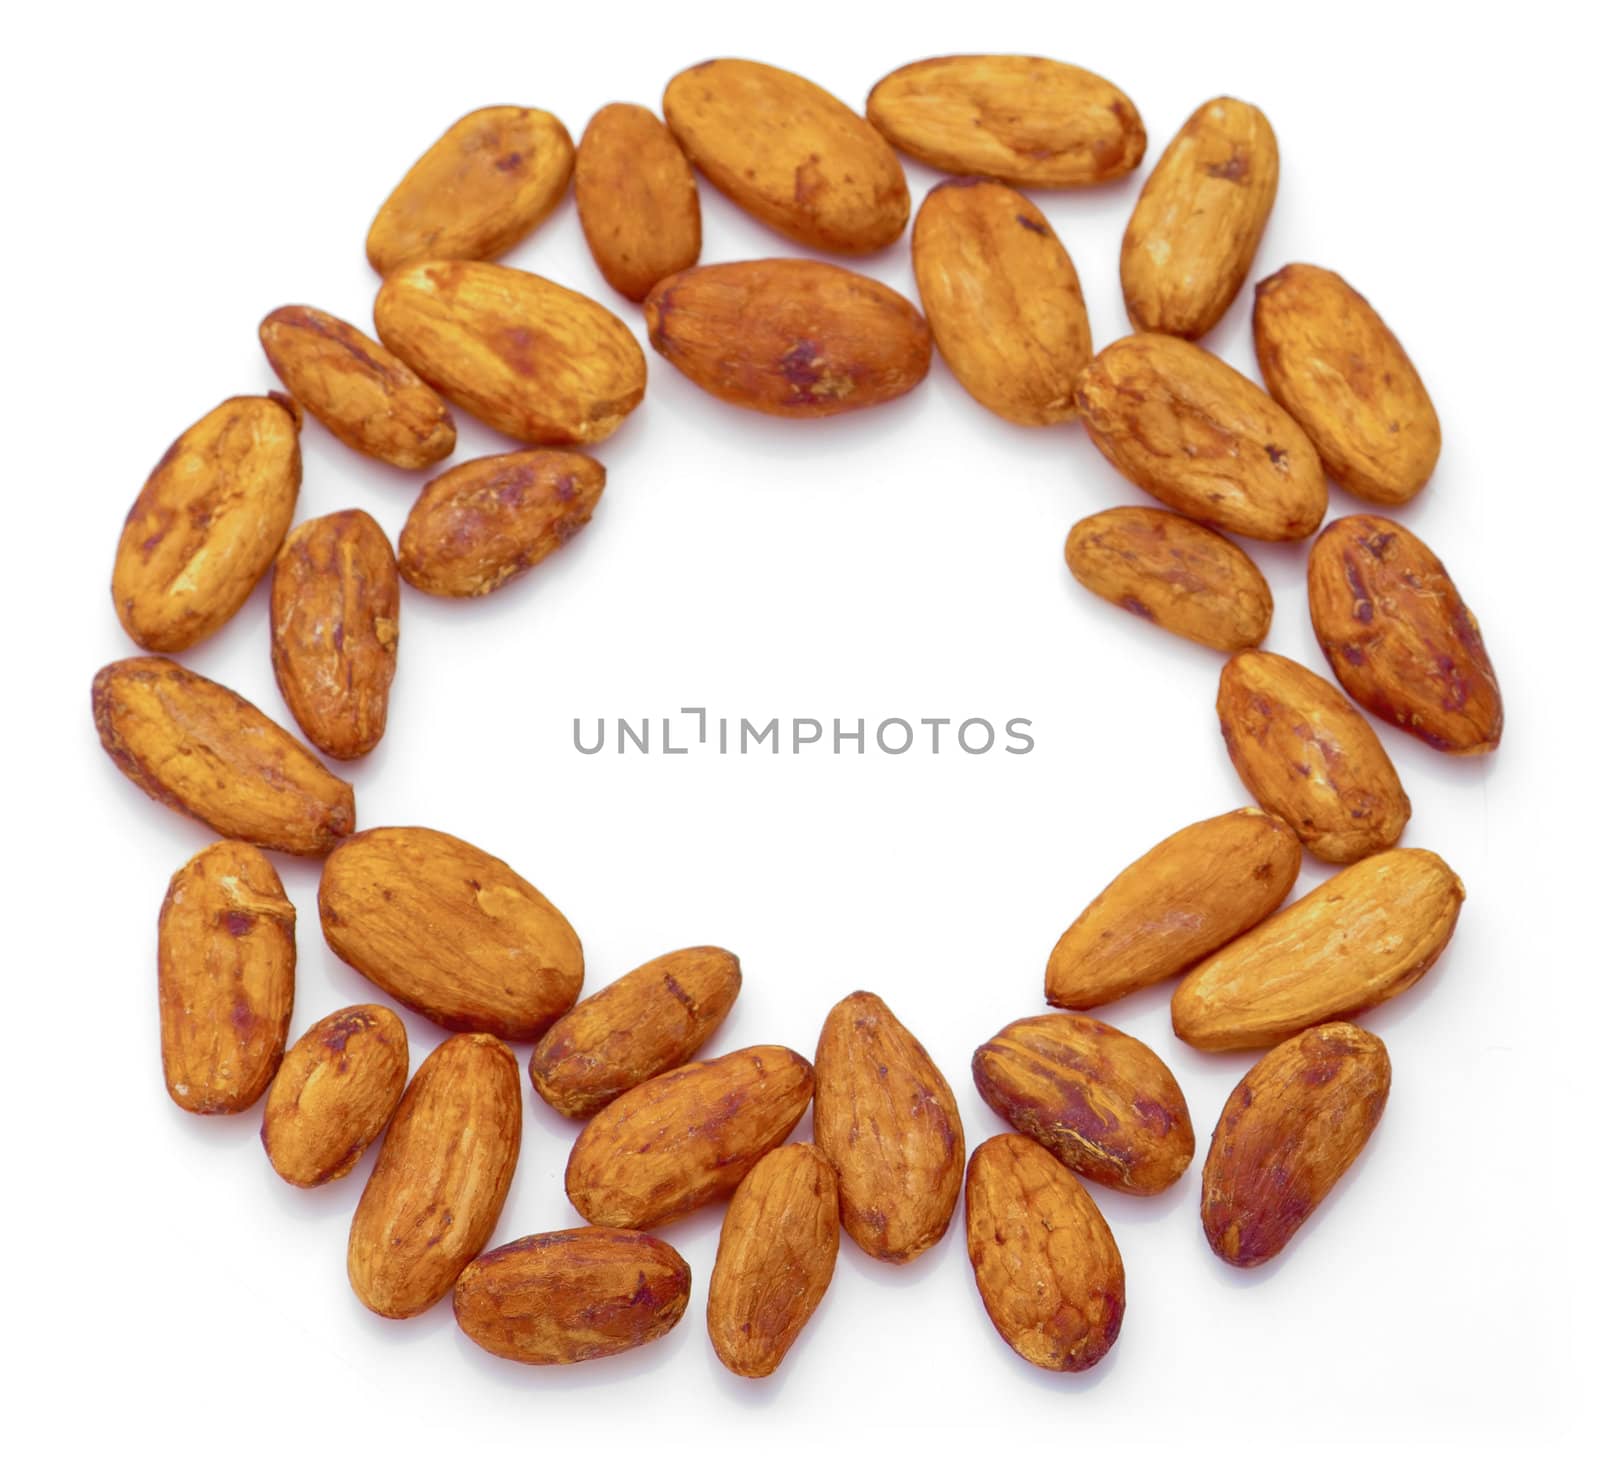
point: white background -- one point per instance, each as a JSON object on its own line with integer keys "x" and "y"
{"x": 177, "y": 173}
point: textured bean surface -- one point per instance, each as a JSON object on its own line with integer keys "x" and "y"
{"x": 637, "y": 199}
{"x": 1185, "y": 898}
{"x": 226, "y": 959}
{"x": 1363, "y": 937}
{"x": 436, "y": 1191}
{"x": 451, "y": 931}
{"x": 202, "y": 750}
{"x": 789, "y": 337}
{"x": 653, "y": 1019}
{"x": 789, "y": 153}
{"x": 572, "y": 1295}
{"x": 1191, "y": 431}
{"x": 888, "y": 1122}
{"x": 1002, "y": 299}
{"x": 335, "y": 1092}
{"x": 1027, "y": 121}
{"x": 491, "y": 179}
{"x": 1297, "y": 1120}
{"x": 1309, "y": 756}
{"x": 1399, "y": 636}
{"x": 1046, "y": 1264}
{"x": 207, "y": 523}
{"x": 369, "y": 399}
{"x": 687, "y": 1137}
{"x": 1338, "y": 370}
{"x": 775, "y": 1259}
{"x": 533, "y": 359}
{"x": 1173, "y": 572}
{"x": 489, "y": 521}
{"x": 1098, "y": 1099}
{"x": 336, "y": 630}
{"x": 1195, "y": 229}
